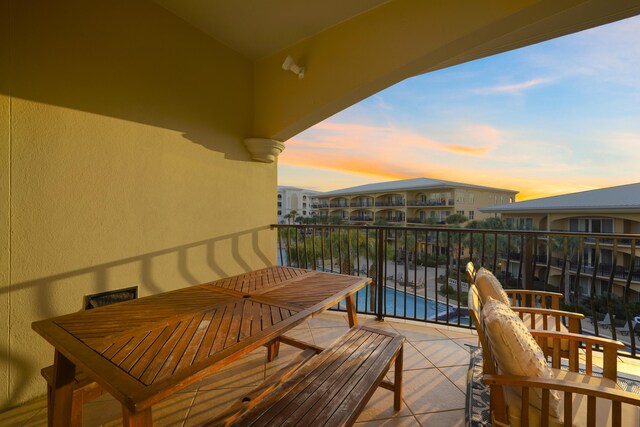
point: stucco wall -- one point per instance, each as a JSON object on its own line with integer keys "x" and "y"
{"x": 121, "y": 163}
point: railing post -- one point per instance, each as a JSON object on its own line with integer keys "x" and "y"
{"x": 380, "y": 279}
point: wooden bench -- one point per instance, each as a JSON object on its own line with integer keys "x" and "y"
{"x": 330, "y": 389}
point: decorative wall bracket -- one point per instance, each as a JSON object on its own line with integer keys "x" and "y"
{"x": 263, "y": 149}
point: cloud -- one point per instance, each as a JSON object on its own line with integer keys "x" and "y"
{"x": 515, "y": 88}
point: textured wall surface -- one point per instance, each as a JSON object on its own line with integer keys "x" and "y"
{"x": 121, "y": 128}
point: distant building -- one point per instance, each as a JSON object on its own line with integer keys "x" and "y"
{"x": 304, "y": 202}
{"x": 608, "y": 210}
{"x": 412, "y": 201}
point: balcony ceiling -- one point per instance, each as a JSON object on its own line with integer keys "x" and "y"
{"x": 356, "y": 48}
{"x": 259, "y": 28}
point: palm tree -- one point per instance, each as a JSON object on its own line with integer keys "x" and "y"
{"x": 292, "y": 215}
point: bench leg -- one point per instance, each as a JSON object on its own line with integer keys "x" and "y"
{"x": 273, "y": 348}
{"x": 397, "y": 382}
{"x": 351, "y": 311}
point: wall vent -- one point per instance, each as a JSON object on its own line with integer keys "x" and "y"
{"x": 110, "y": 297}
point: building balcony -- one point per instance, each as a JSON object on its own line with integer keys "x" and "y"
{"x": 420, "y": 203}
{"x": 392, "y": 203}
{"x": 362, "y": 204}
{"x": 361, "y": 218}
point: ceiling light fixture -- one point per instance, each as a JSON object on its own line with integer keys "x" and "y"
{"x": 290, "y": 65}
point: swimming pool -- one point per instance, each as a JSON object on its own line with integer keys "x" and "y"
{"x": 400, "y": 304}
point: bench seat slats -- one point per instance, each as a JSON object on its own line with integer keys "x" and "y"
{"x": 332, "y": 388}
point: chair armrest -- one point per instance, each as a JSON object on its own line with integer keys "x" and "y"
{"x": 548, "y": 311}
{"x": 564, "y": 386}
{"x": 609, "y": 350}
{"x": 587, "y": 339}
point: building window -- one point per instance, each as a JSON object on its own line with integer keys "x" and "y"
{"x": 520, "y": 223}
{"x": 472, "y": 198}
{"x": 591, "y": 225}
{"x": 279, "y": 204}
{"x": 460, "y": 212}
{"x": 459, "y": 197}
{"x": 279, "y": 196}
{"x": 304, "y": 212}
{"x": 279, "y": 212}
{"x": 304, "y": 205}
{"x": 471, "y": 214}
{"x": 304, "y": 197}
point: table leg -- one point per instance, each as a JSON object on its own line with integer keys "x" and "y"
{"x": 397, "y": 382}
{"x": 61, "y": 394}
{"x": 136, "y": 419}
{"x": 273, "y": 348}
{"x": 351, "y": 311}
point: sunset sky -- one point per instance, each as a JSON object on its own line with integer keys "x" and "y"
{"x": 554, "y": 118}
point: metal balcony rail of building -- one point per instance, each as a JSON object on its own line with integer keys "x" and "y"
{"x": 419, "y": 271}
{"x": 418, "y": 203}
{"x": 391, "y": 203}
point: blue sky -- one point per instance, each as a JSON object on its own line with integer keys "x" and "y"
{"x": 553, "y": 118}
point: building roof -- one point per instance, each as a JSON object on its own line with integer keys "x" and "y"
{"x": 620, "y": 198}
{"x": 406, "y": 184}
{"x": 290, "y": 188}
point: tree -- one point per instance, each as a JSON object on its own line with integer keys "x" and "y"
{"x": 456, "y": 218}
{"x": 292, "y": 215}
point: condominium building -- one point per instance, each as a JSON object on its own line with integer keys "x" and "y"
{"x": 412, "y": 201}
{"x": 614, "y": 210}
{"x": 304, "y": 202}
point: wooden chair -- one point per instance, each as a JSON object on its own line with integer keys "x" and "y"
{"x": 625, "y": 329}
{"x": 606, "y": 322}
{"x": 586, "y": 399}
{"x": 538, "y": 309}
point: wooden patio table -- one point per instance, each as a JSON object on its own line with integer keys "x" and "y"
{"x": 144, "y": 350}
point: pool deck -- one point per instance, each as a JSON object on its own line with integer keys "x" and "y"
{"x": 435, "y": 367}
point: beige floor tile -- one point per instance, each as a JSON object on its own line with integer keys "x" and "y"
{"x": 418, "y": 333}
{"x": 105, "y": 410}
{"x": 302, "y": 334}
{"x": 374, "y": 323}
{"x": 447, "y": 418}
{"x": 390, "y": 422}
{"x": 328, "y": 320}
{"x": 381, "y": 406}
{"x": 210, "y": 403}
{"x": 248, "y": 371}
{"x": 323, "y": 337}
{"x": 443, "y": 352}
{"x": 285, "y": 356}
{"x": 38, "y": 420}
{"x": 23, "y": 413}
{"x": 466, "y": 342}
{"x": 461, "y": 333}
{"x": 428, "y": 390}
{"x": 172, "y": 411}
{"x": 412, "y": 359}
{"x": 457, "y": 375}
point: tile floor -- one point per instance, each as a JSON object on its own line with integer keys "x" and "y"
{"x": 435, "y": 368}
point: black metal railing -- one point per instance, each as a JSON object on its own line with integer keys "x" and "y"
{"x": 419, "y": 272}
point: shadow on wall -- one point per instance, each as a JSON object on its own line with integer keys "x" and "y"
{"x": 133, "y": 61}
{"x": 45, "y": 285}
{"x": 25, "y": 369}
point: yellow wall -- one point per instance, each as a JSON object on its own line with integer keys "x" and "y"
{"x": 122, "y": 130}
